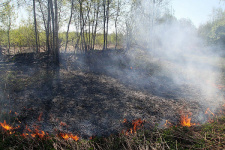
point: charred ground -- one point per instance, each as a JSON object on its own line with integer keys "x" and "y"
{"x": 92, "y": 93}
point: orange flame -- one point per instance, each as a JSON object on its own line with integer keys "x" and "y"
{"x": 6, "y": 126}
{"x": 40, "y": 134}
{"x": 185, "y": 121}
{"x": 136, "y": 126}
{"x": 36, "y": 133}
{"x": 69, "y": 136}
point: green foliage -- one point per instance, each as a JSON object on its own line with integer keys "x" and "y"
{"x": 214, "y": 31}
{"x": 73, "y": 38}
{"x": 23, "y": 36}
{"x": 7, "y": 14}
{"x": 218, "y": 32}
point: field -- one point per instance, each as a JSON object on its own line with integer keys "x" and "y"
{"x": 120, "y": 99}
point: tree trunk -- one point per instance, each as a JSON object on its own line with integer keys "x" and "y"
{"x": 48, "y": 29}
{"x": 104, "y": 21}
{"x": 81, "y": 26}
{"x": 107, "y": 24}
{"x": 68, "y": 27}
{"x": 117, "y": 15}
{"x": 96, "y": 25}
{"x": 8, "y": 34}
{"x": 56, "y": 55}
{"x": 35, "y": 26}
{"x": 53, "y": 26}
{"x": 46, "y": 25}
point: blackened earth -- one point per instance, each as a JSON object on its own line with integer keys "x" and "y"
{"x": 92, "y": 93}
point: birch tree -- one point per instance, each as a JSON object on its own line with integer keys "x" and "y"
{"x": 7, "y": 16}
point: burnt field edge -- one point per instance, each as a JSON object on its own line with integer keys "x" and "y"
{"x": 206, "y": 136}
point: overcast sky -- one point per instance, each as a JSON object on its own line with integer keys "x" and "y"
{"x": 197, "y": 10}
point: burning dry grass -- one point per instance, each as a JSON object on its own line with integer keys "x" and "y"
{"x": 207, "y": 136}
{"x": 183, "y": 135}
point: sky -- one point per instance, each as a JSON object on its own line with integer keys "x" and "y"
{"x": 198, "y": 11}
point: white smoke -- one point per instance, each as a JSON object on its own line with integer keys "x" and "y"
{"x": 184, "y": 57}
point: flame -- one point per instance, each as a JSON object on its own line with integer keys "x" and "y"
{"x": 40, "y": 134}
{"x": 136, "y": 126}
{"x": 6, "y": 126}
{"x": 36, "y": 133}
{"x": 185, "y": 121}
{"x": 69, "y": 136}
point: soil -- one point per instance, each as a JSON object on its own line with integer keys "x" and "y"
{"x": 92, "y": 93}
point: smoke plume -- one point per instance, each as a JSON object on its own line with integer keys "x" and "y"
{"x": 184, "y": 57}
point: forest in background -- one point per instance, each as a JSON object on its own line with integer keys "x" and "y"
{"x": 84, "y": 25}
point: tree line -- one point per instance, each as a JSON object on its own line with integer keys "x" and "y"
{"x": 89, "y": 19}
{"x": 90, "y": 24}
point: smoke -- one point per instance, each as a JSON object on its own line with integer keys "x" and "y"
{"x": 191, "y": 62}
{"x": 184, "y": 57}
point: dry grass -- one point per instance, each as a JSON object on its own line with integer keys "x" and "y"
{"x": 207, "y": 136}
